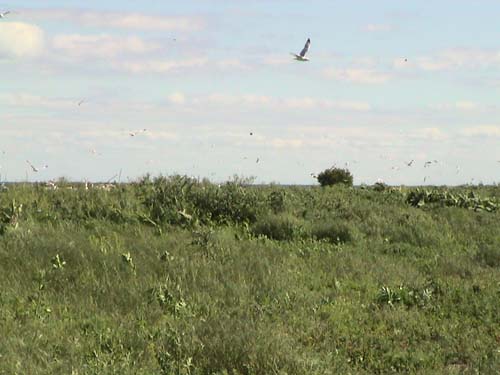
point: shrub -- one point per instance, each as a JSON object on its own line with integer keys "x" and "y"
{"x": 278, "y": 227}
{"x": 175, "y": 198}
{"x": 276, "y": 200}
{"x": 334, "y": 176}
{"x": 380, "y": 186}
{"x": 488, "y": 255}
{"x": 332, "y": 231}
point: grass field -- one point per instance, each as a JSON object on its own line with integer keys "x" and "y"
{"x": 177, "y": 276}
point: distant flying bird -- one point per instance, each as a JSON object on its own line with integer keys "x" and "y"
{"x": 35, "y": 169}
{"x": 81, "y": 102}
{"x": 258, "y": 159}
{"x": 410, "y": 163}
{"x": 2, "y": 15}
{"x": 133, "y": 134}
{"x": 302, "y": 55}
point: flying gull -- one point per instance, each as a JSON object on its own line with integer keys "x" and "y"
{"x": 35, "y": 169}
{"x": 133, "y": 134}
{"x": 2, "y": 15}
{"x": 302, "y": 55}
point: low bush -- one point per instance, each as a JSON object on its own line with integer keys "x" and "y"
{"x": 279, "y": 227}
{"x": 488, "y": 255}
{"x": 332, "y": 231}
{"x": 334, "y": 176}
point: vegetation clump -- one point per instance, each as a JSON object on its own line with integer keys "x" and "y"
{"x": 470, "y": 200}
{"x": 173, "y": 275}
{"x": 335, "y": 176}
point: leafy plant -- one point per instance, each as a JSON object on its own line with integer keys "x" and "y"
{"x": 279, "y": 227}
{"x": 276, "y": 201}
{"x": 335, "y": 176}
{"x": 10, "y": 216}
{"x": 421, "y": 197}
{"x": 405, "y": 295}
{"x": 127, "y": 258}
{"x": 58, "y": 262}
{"x": 333, "y": 231}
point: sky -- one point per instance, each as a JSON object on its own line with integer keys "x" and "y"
{"x": 390, "y": 86}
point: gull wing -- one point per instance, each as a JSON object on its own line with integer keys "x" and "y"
{"x": 306, "y": 48}
{"x": 32, "y": 166}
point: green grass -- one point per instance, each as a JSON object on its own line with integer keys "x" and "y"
{"x": 177, "y": 276}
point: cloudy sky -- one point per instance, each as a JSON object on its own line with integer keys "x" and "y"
{"x": 216, "y": 89}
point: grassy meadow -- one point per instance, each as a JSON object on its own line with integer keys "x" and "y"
{"x": 177, "y": 276}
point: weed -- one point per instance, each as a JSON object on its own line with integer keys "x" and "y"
{"x": 174, "y": 275}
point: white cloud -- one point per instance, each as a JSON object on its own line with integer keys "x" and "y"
{"x": 159, "y": 66}
{"x": 357, "y": 75}
{"x": 433, "y": 64}
{"x": 464, "y": 105}
{"x": 232, "y": 100}
{"x": 142, "y": 22}
{"x": 231, "y": 63}
{"x": 35, "y": 101}
{"x": 161, "y": 135}
{"x": 484, "y": 130}
{"x": 312, "y": 103}
{"x": 202, "y": 102}
{"x": 297, "y": 103}
{"x": 451, "y": 59}
{"x": 467, "y": 106}
{"x": 285, "y": 143}
{"x": 277, "y": 60}
{"x": 375, "y": 28}
{"x": 121, "y": 20}
{"x": 433, "y": 134}
{"x": 20, "y": 40}
{"x": 103, "y": 45}
{"x": 176, "y": 98}
{"x": 460, "y": 58}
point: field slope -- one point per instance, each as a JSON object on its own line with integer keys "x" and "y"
{"x": 177, "y": 276}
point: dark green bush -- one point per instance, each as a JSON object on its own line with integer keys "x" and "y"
{"x": 332, "y": 231}
{"x": 334, "y": 176}
{"x": 276, "y": 200}
{"x": 488, "y": 255}
{"x": 278, "y": 227}
{"x": 172, "y": 199}
{"x": 380, "y": 186}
